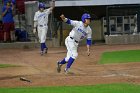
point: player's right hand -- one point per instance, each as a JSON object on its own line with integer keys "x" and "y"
{"x": 34, "y": 30}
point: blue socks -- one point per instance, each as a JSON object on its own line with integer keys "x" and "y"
{"x": 62, "y": 62}
{"x": 70, "y": 61}
{"x": 43, "y": 45}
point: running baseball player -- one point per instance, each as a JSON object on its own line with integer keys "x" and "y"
{"x": 81, "y": 29}
{"x": 41, "y": 25}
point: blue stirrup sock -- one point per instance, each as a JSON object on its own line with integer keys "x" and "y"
{"x": 62, "y": 62}
{"x": 42, "y": 46}
{"x": 70, "y": 61}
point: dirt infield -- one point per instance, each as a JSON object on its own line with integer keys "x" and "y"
{"x": 41, "y": 70}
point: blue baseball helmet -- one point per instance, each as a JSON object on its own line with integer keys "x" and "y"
{"x": 41, "y": 5}
{"x": 85, "y": 16}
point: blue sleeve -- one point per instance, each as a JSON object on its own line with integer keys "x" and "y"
{"x": 89, "y": 42}
{"x": 3, "y": 9}
{"x": 68, "y": 21}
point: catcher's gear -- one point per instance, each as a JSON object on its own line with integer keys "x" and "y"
{"x": 85, "y": 16}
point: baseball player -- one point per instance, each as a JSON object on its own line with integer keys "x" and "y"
{"x": 81, "y": 29}
{"x": 41, "y": 24}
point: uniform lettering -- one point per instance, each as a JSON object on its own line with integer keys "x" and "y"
{"x": 41, "y": 15}
{"x": 80, "y": 30}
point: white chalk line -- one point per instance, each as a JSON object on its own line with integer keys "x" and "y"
{"x": 125, "y": 75}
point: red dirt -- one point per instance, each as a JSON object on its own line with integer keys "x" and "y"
{"x": 41, "y": 70}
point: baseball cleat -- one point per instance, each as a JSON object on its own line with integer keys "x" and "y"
{"x": 58, "y": 67}
{"x": 46, "y": 50}
{"x": 67, "y": 71}
{"x": 41, "y": 53}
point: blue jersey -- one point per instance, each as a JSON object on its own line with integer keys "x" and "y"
{"x": 8, "y": 17}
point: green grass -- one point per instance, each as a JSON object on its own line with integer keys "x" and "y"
{"x": 7, "y": 65}
{"x": 120, "y": 57}
{"x": 104, "y": 88}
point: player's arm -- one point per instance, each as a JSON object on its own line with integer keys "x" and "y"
{"x": 51, "y": 7}
{"x": 89, "y": 42}
{"x": 35, "y": 27}
{"x": 35, "y": 23}
{"x": 68, "y": 21}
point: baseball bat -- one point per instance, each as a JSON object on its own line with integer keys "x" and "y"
{"x": 24, "y": 79}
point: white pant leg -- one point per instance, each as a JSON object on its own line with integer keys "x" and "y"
{"x": 71, "y": 48}
{"x": 39, "y": 33}
{"x": 42, "y": 32}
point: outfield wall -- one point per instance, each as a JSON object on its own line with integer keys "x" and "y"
{"x": 122, "y": 39}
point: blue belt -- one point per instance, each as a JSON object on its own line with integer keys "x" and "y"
{"x": 74, "y": 40}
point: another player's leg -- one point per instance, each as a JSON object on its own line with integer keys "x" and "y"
{"x": 40, "y": 40}
{"x": 45, "y": 48}
{"x": 42, "y": 48}
{"x": 43, "y": 39}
